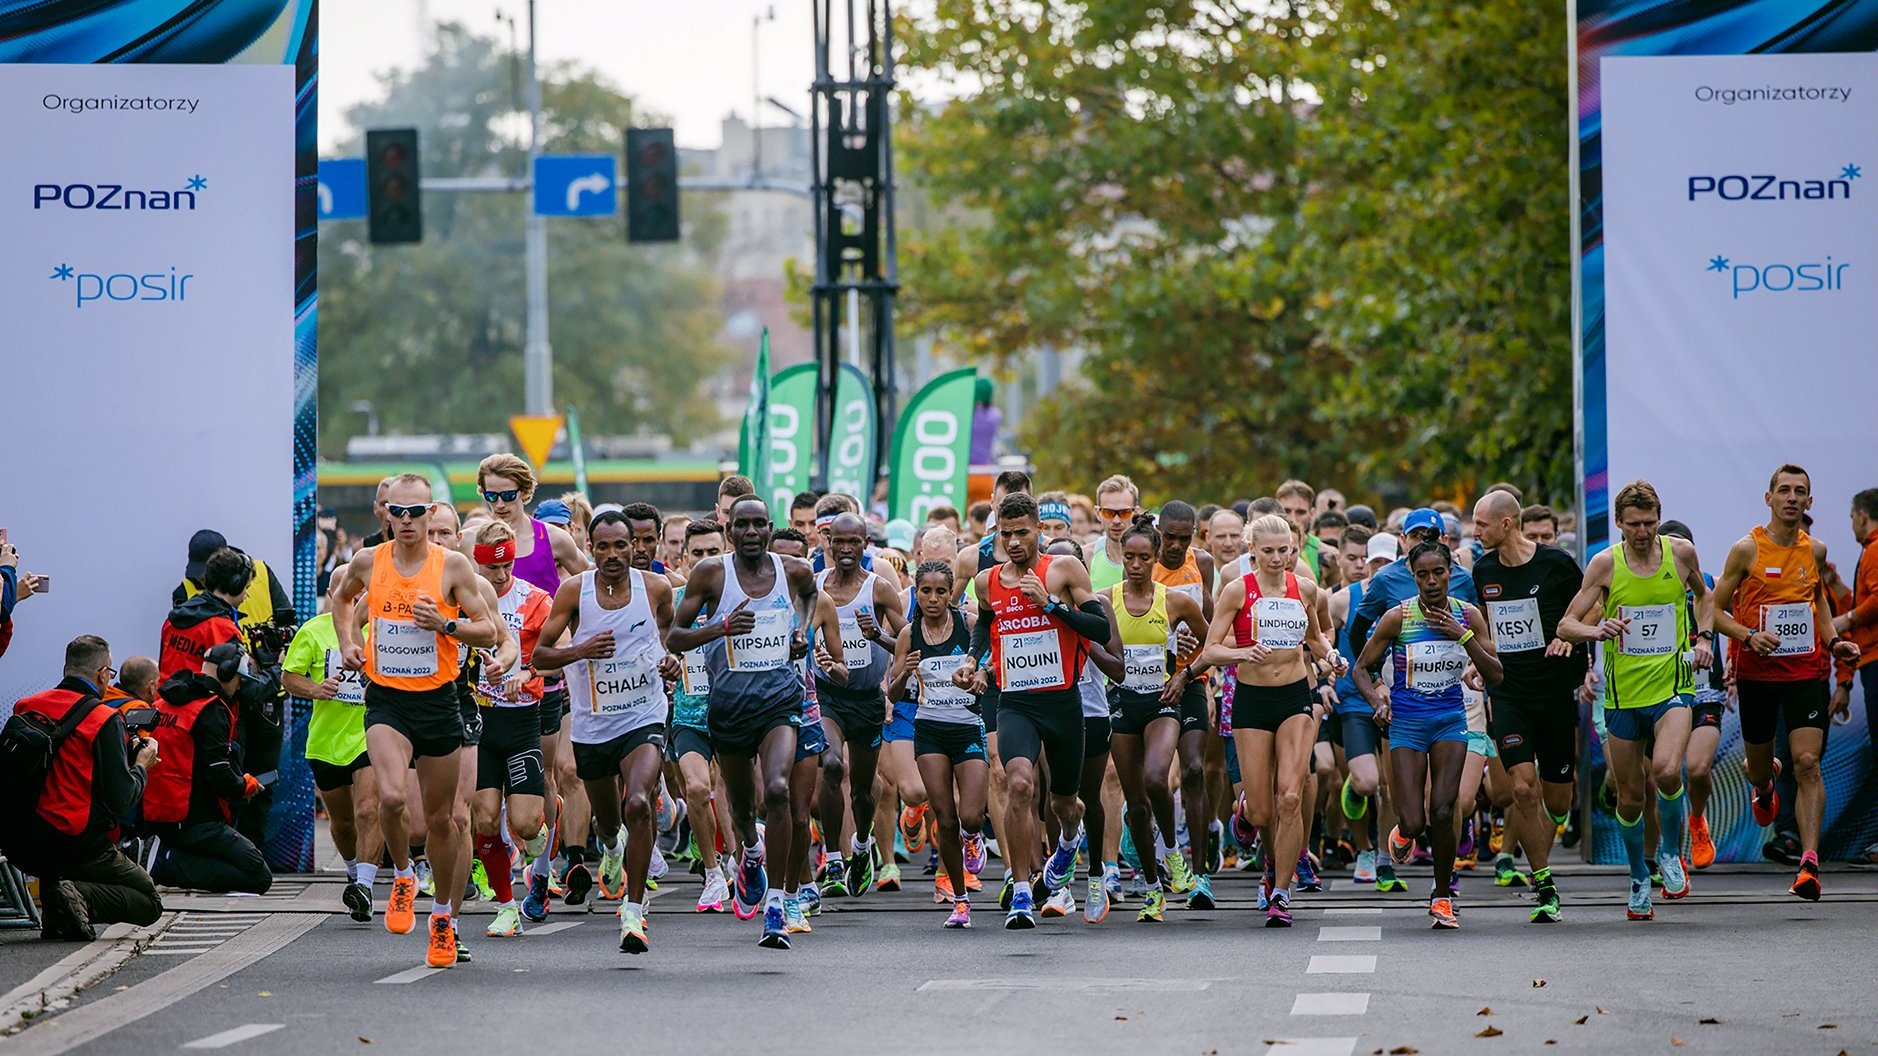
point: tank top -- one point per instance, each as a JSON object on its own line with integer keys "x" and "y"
{"x": 1031, "y": 650}
{"x": 402, "y": 654}
{"x": 753, "y": 672}
{"x": 1647, "y": 665}
{"x": 938, "y": 700}
{"x": 616, "y": 695}
{"x": 692, "y": 694}
{"x": 1095, "y": 700}
{"x": 524, "y": 608}
{"x": 539, "y": 566}
{"x": 1279, "y": 621}
{"x": 1182, "y": 580}
{"x": 866, "y": 661}
{"x": 1103, "y": 573}
{"x": 1428, "y": 664}
{"x": 1144, "y": 641}
{"x": 1777, "y": 596}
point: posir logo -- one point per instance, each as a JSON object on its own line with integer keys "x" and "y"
{"x": 115, "y": 197}
{"x": 166, "y": 287}
{"x": 1769, "y": 187}
{"x": 1825, "y": 276}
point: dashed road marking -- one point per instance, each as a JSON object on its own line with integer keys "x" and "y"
{"x": 1359, "y": 933}
{"x": 1358, "y": 964}
{"x": 1330, "y": 1004}
{"x": 229, "y": 1037}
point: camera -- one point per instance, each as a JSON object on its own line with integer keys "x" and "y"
{"x": 139, "y": 721}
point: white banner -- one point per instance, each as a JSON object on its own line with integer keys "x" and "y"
{"x": 1741, "y": 204}
{"x": 147, "y": 300}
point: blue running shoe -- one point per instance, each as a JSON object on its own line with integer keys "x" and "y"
{"x": 535, "y": 903}
{"x": 775, "y": 929}
{"x": 1308, "y": 880}
{"x": 751, "y": 884}
{"x": 1022, "y": 915}
{"x": 1202, "y": 897}
{"x": 1060, "y": 867}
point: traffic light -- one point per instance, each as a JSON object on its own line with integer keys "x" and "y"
{"x": 651, "y": 185}
{"x": 394, "y": 207}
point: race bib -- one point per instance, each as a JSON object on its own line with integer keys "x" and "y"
{"x": 622, "y": 684}
{"x": 766, "y": 647}
{"x": 1794, "y": 624}
{"x": 1191, "y": 590}
{"x": 1652, "y": 630}
{"x": 402, "y": 649}
{"x": 1030, "y": 661}
{"x": 1146, "y": 667}
{"x": 1435, "y": 667}
{"x": 1279, "y": 622}
{"x": 351, "y": 683}
{"x": 1516, "y": 626}
{"x": 696, "y": 681}
{"x": 935, "y": 682}
{"x": 856, "y": 650}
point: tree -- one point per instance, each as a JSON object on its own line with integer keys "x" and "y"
{"x": 433, "y": 333}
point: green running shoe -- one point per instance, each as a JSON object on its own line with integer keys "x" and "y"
{"x": 1506, "y": 874}
{"x": 1387, "y": 881}
{"x": 1547, "y": 911}
{"x": 613, "y": 873}
{"x": 860, "y": 874}
{"x": 834, "y": 878}
{"x": 480, "y": 877}
{"x": 1153, "y": 907}
{"x": 508, "y": 922}
{"x": 1179, "y": 878}
{"x": 1354, "y": 806}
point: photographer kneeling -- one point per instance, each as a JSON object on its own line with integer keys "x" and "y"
{"x": 190, "y": 804}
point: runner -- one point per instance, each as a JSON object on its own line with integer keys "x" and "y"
{"x": 672, "y": 542}
{"x": 1272, "y": 614}
{"x": 509, "y": 769}
{"x": 949, "y": 738}
{"x": 617, "y": 663}
{"x": 1053, "y": 517}
{"x": 1356, "y": 721}
{"x": 1772, "y": 598}
{"x": 1117, "y": 503}
{"x": 689, "y": 747}
{"x": 759, "y": 603}
{"x": 1430, "y": 640}
{"x": 422, "y": 600}
{"x": 1533, "y": 711}
{"x": 1297, "y": 501}
{"x": 1098, "y": 788}
{"x": 1189, "y": 571}
{"x": 1038, "y": 612}
{"x": 802, "y": 895}
{"x": 1636, "y": 593}
{"x": 1705, "y": 721}
{"x": 1150, "y": 711}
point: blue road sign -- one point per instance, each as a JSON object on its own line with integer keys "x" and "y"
{"x": 576, "y": 185}
{"x": 342, "y": 189}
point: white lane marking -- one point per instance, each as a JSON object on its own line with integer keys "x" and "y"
{"x": 411, "y": 975}
{"x": 1070, "y": 985}
{"x": 1330, "y": 1004}
{"x": 189, "y": 951}
{"x": 1360, "y": 964}
{"x": 229, "y": 1037}
{"x": 1351, "y": 911}
{"x": 549, "y": 929}
{"x": 1359, "y": 933}
{"x": 1312, "y": 1047}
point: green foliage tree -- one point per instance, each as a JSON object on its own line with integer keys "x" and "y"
{"x": 432, "y": 334}
{"x": 1266, "y": 227}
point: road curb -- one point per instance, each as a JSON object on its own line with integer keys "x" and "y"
{"x": 54, "y": 988}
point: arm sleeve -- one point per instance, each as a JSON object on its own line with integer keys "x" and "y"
{"x": 981, "y": 633}
{"x": 116, "y": 786}
{"x": 213, "y": 764}
{"x": 1091, "y": 621}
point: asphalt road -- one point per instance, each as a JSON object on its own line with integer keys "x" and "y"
{"x": 1359, "y": 974}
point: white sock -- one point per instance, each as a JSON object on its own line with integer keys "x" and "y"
{"x": 635, "y": 907}
{"x": 409, "y": 872}
{"x": 1215, "y": 827}
{"x": 367, "y": 873}
{"x": 618, "y": 846}
{"x": 752, "y": 853}
{"x": 773, "y": 897}
{"x": 1071, "y": 841}
{"x": 352, "y": 869}
{"x": 510, "y": 904}
{"x": 439, "y": 908}
{"x": 859, "y": 847}
{"x": 1161, "y": 846}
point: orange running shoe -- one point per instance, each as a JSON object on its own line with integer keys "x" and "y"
{"x": 1807, "y": 886}
{"x": 1701, "y": 847}
{"x": 398, "y": 910}
{"x": 972, "y": 883}
{"x": 442, "y": 952}
{"x": 1442, "y": 910}
{"x": 1766, "y": 808}
{"x": 942, "y": 888}
{"x": 913, "y": 828}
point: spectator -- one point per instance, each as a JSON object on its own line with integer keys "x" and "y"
{"x": 15, "y": 587}
{"x": 946, "y": 515}
{"x": 987, "y": 420}
{"x": 95, "y": 779}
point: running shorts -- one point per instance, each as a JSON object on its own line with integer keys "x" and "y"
{"x": 1543, "y": 732}
{"x": 1478, "y": 743}
{"x": 1193, "y": 711}
{"x": 811, "y": 742}
{"x": 901, "y": 728}
{"x": 1804, "y": 703}
{"x": 742, "y": 732}
{"x": 331, "y": 777}
{"x": 509, "y": 757}
{"x": 471, "y": 713}
{"x": 431, "y": 719}
{"x": 1418, "y": 732}
{"x": 1359, "y": 733}
{"x": 1045, "y": 724}
{"x": 1130, "y": 711}
{"x": 863, "y": 720}
{"x": 1097, "y": 737}
{"x": 1705, "y": 713}
{"x": 554, "y": 707}
{"x": 1639, "y": 724}
{"x": 988, "y": 707}
{"x": 1268, "y": 707}
{"x": 959, "y": 742}
{"x": 596, "y": 762}
{"x": 684, "y": 740}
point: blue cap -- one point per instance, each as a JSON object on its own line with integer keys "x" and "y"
{"x": 554, "y": 511}
{"x": 1422, "y": 518}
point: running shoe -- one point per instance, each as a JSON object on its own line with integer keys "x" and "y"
{"x": 834, "y": 878}
{"x": 1547, "y": 910}
{"x": 632, "y": 931}
{"x": 974, "y": 853}
{"x": 795, "y": 918}
{"x": 1242, "y": 830}
{"x": 1400, "y": 850}
{"x": 860, "y": 874}
{"x": 671, "y": 811}
{"x": 889, "y": 878}
{"x": 579, "y": 883}
{"x": 479, "y": 881}
{"x": 1004, "y": 893}
{"x": 1675, "y": 878}
{"x": 1639, "y": 908}
{"x": 1766, "y": 804}
{"x": 1179, "y": 877}
{"x": 425, "y": 883}
{"x": 1308, "y": 880}
{"x": 1278, "y": 913}
{"x": 1454, "y": 885}
{"x": 942, "y": 889}
{"x": 1423, "y": 856}
{"x": 1364, "y": 872}
{"x": 656, "y": 866}
{"x": 1060, "y": 903}
{"x": 1386, "y": 880}
{"x": 1464, "y": 847}
{"x": 1496, "y": 834}
{"x": 358, "y": 900}
{"x": 441, "y": 952}
{"x": 462, "y": 951}
{"x": 961, "y": 915}
{"x": 1264, "y": 894}
{"x": 1202, "y": 897}
{"x": 913, "y": 828}
{"x": 1215, "y": 849}
{"x": 931, "y": 868}
{"x": 1153, "y": 908}
{"x": 1783, "y": 848}
{"x": 716, "y": 890}
{"x": 1095, "y": 906}
{"x": 1442, "y": 910}
{"x": 752, "y": 881}
{"x": 972, "y": 883}
{"x": 775, "y": 928}
{"x": 1355, "y": 807}
{"x": 1506, "y": 873}
{"x": 1112, "y": 881}
{"x": 508, "y": 922}
{"x": 1701, "y": 844}
{"x": 1656, "y": 871}
{"x": 1807, "y": 884}
{"x": 535, "y": 903}
{"x": 1060, "y": 867}
{"x": 1137, "y": 886}
{"x": 556, "y": 867}
{"x": 811, "y": 899}
{"x": 1021, "y": 915}
{"x": 399, "y": 918}
{"x": 613, "y": 873}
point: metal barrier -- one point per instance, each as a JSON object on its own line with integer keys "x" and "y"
{"x": 17, "y": 909}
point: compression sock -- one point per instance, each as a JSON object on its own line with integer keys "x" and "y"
{"x": 368, "y": 874}
{"x": 1632, "y": 834}
{"x": 495, "y": 859}
{"x": 1671, "y": 814}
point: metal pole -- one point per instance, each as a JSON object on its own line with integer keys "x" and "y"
{"x": 537, "y": 356}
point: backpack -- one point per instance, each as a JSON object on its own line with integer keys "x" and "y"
{"x": 28, "y": 744}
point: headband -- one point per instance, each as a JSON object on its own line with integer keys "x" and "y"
{"x": 498, "y": 554}
{"x": 825, "y": 521}
{"x": 1053, "y": 511}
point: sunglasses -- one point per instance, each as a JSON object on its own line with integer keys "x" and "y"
{"x": 502, "y": 496}
{"x": 399, "y": 513}
{"x": 1115, "y": 515}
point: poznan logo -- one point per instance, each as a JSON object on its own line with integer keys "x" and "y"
{"x": 1773, "y": 187}
{"x": 116, "y": 197}
{"x": 123, "y": 287}
{"x": 1823, "y": 276}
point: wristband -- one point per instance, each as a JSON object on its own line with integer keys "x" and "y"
{"x": 1465, "y": 638}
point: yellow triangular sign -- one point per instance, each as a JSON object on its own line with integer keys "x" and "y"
{"x": 535, "y": 434}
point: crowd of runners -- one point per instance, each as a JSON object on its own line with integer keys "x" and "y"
{"x": 518, "y": 707}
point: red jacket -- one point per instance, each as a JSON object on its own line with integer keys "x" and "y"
{"x": 199, "y": 624}
{"x": 92, "y": 783}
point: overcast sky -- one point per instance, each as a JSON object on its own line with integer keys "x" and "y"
{"x": 689, "y": 59}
